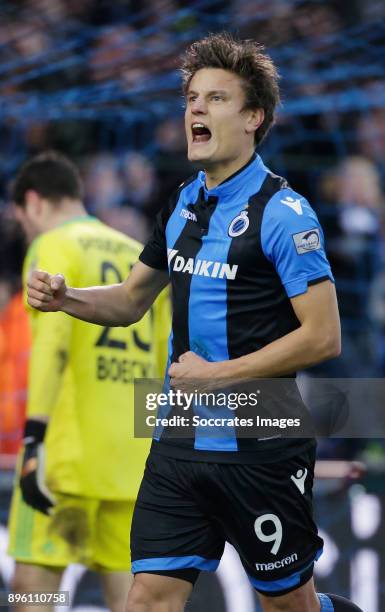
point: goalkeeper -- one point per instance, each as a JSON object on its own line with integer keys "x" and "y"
{"x": 80, "y": 467}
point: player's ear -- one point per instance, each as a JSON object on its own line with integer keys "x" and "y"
{"x": 254, "y": 119}
{"x": 32, "y": 203}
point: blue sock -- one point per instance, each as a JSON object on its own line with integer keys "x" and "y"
{"x": 335, "y": 603}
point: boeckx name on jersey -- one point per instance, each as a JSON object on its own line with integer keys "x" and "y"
{"x": 200, "y": 267}
{"x": 277, "y": 564}
{"x": 122, "y": 370}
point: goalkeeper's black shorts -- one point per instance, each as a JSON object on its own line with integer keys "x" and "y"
{"x": 186, "y": 511}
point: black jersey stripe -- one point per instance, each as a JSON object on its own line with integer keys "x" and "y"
{"x": 195, "y": 230}
{"x": 246, "y": 331}
{"x": 181, "y": 283}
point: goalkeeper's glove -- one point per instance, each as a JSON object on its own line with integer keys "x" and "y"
{"x": 33, "y": 489}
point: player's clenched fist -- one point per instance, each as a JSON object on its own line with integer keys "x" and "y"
{"x": 45, "y": 291}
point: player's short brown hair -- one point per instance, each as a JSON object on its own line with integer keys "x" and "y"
{"x": 52, "y": 175}
{"x": 244, "y": 58}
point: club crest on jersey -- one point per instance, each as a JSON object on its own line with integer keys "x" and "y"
{"x": 239, "y": 224}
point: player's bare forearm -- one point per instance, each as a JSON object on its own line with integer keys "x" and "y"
{"x": 317, "y": 339}
{"x": 295, "y": 351}
{"x": 112, "y": 305}
{"x": 108, "y": 305}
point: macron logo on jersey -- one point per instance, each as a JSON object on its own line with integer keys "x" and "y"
{"x": 277, "y": 564}
{"x": 200, "y": 267}
{"x": 299, "y": 479}
{"x": 294, "y": 204}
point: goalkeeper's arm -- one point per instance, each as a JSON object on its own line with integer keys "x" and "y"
{"x": 112, "y": 305}
{"x": 32, "y": 478}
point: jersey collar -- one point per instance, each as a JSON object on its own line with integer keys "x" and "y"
{"x": 77, "y": 219}
{"x": 237, "y": 180}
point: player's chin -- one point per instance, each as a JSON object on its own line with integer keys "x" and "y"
{"x": 199, "y": 152}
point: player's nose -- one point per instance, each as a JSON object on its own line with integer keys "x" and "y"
{"x": 199, "y": 106}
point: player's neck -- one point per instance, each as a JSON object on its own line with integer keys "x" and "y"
{"x": 217, "y": 173}
{"x": 67, "y": 211}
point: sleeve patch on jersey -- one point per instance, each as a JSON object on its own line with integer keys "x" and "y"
{"x": 307, "y": 241}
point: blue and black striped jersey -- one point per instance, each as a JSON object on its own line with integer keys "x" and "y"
{"x": 236, "y": 254}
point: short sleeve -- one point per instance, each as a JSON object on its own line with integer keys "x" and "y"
{"x": 293, "y": 241}
{"x": 154, "y": 253}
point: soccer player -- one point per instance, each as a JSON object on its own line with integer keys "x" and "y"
{"x": 78, "y": 507}
{"x": 253, "y": 296}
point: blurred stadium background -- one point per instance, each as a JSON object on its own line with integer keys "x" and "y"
{"x": 98, "y": 80}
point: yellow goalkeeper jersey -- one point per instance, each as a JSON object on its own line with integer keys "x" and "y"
{"x": 81, "y": 374}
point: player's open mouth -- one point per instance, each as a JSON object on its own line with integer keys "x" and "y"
{"x": 200, "y": 133}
